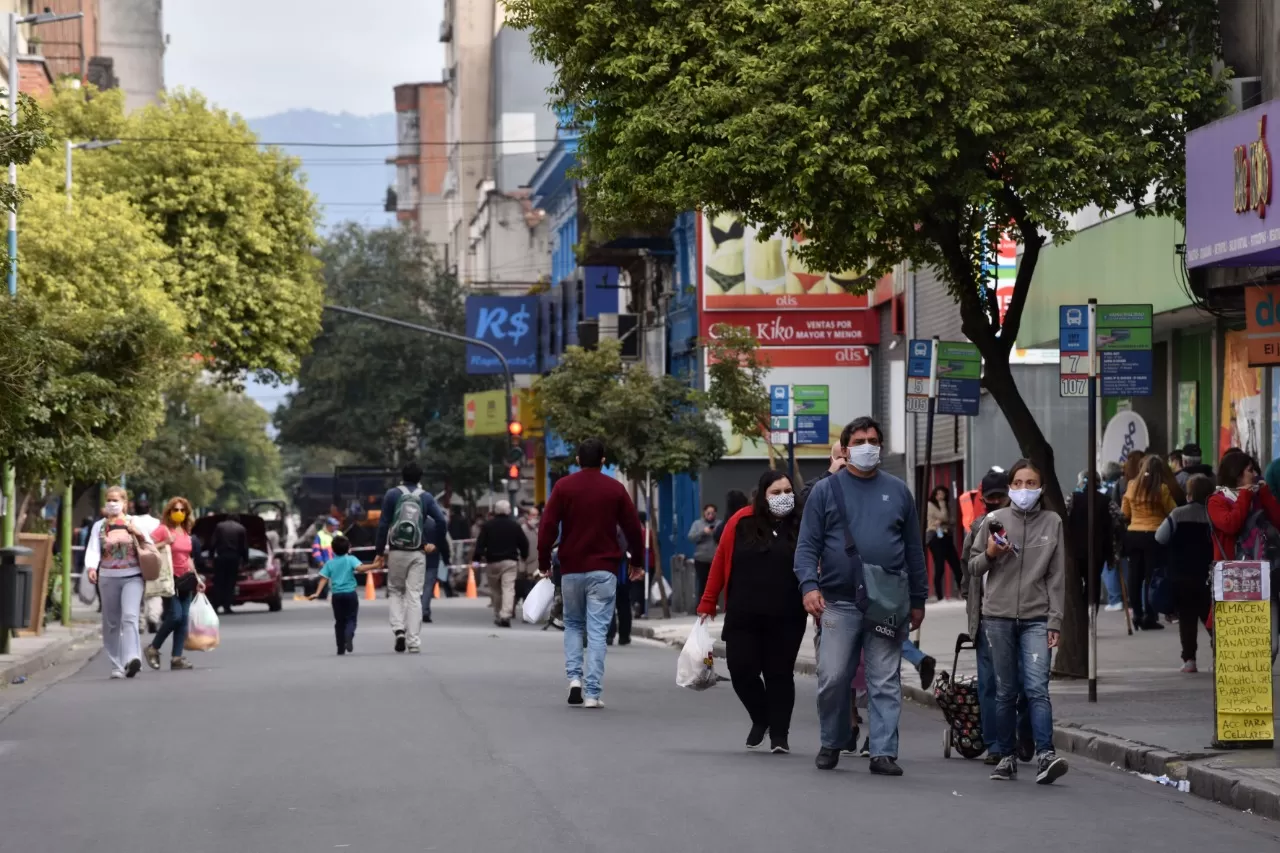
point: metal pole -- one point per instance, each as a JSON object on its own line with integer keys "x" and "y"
{"x": 10, "y": 476}
{"x": 928, "y": 442}
{"x": 70, "y": 147}
{"x": 1091, "y": 488}
{"x": 64, "y": 534}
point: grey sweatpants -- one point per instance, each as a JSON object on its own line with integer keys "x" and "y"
{"x": 121, "y": 601}
{"x": 406, "y": 575}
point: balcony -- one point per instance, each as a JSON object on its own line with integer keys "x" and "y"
{"x": 446, "y": 31}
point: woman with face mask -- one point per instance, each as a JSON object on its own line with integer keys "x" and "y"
{"x": 764, "y": 617}
{"x": 1018, "y": 557}
{"x": 175, "y": 532}
{"x": 111, "y": 559}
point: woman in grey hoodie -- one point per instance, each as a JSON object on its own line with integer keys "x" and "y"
{"x": 1019, "y": 557}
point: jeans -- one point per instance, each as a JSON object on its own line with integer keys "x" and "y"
{"x": 346, "y": 607}
{"x": 760, "y": 652}
{"x": 987, "y": 699}
{"x": 911, "y": 653}
{"x": 174, "y": 621}
{"x": 1020, "y": 656}
{"x": 843, "y": 639}
{"x": 588, "y": 605}
{"x": 121, "y": 601}
{"x": 406, "y": 574}
{"x": 1111, "y": 580}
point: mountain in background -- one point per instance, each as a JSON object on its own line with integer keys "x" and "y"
{"x": 351, "y": 183}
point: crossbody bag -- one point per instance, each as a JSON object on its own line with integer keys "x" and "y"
{"x": 883, "y": 595}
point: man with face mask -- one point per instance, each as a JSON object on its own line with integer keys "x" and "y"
{"x": 853, "y": 519}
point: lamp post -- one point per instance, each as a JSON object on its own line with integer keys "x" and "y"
{"x": 16, "y": 20}
{"x": 91, "y": 145}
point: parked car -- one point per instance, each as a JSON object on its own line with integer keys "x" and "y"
{"x": 259, "y": 581}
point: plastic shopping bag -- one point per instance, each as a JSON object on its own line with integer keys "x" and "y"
{"x": 537, "y": 604}
{"x": 655, "y": 594}
{"x": 696, "y": 668}
{"x": 202, "y": 625}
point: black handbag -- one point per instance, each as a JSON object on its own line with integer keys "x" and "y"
{"x": 186, "y": 585}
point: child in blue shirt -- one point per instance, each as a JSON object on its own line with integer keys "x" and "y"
{"x": 340, "y": 574}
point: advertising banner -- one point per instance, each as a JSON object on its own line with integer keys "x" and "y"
{"x": 1243, "y": 705}
{"x": 1262, "y": 326}
{"x": 1241, "y": 424}
{"x": 799, "y": 328}
{"x": 510, "y": 324}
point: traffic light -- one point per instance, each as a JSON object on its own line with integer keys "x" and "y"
{"x": 513, "y": 472}
{"x": 515, "y": 455}
{"x": 515, "y": 429}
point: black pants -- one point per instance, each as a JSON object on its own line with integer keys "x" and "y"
{"x": 1144, "y": 554}
{"x": 346, "y": 606}
{"x": 761, "y": 654}
{"x": 226, "y": 570}
{"x": 1194, "y": 603}
{"x": 620, "y": 624}
{"x": 701, "y": 571}
{"x": 944, "y": 554}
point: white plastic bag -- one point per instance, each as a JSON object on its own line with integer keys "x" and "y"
{"x": 537, "y": 604}
{"x": 202, "y": 625}
{"x": 696, "y": 668}
{"x": 655, "y": 595}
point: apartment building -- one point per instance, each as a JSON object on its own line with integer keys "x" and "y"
{"x": 131, "y": 34}
{"x": 421, "y": 162}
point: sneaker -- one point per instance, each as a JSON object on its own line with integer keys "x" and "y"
{"x": 884, "y": 765}
{"x": 1006, "y": 770}
{"x": 827, "y": 758}
{"x": 992, "y": 759}
{"x": 117, "y": 673}
{"x": 779, "y": 746}
{"x": 755, "y": 737}
{"x": 557, "y": 623}
{"x": 593, "y": 702}
{"x": 1112, "y": 608}
{"x": 504, "y": 623}
{"x": 153, "y": 656}
{"x": 132, "y": 668}
{"x": 575, "y": 692}
{"x": 415, "y": 649}
{"x": 851, "y": 748}
{"x": 342, "y": 650}
{"x": 426, "y": 617}
{"x": 1051, "y": 767}
{"x": 1189, "y": 666}
{"x": 927, "y": 667}
{"x": 865, "y": 751}
{"x": 1153, "y": 625}
{"x": 400, "y": 641}
{"x": 351, "y": 645}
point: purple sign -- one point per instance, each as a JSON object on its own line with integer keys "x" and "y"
{"x": 1229, "y": 219}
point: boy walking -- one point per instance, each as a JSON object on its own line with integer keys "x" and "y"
{"x": 340, "y": 574}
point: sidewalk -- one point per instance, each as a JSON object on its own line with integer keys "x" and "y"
{"x": 1149, "y": 717}
{"x": 29, "y": 655}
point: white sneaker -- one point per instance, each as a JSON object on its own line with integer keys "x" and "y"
{"x": 575, "y": 692}
{"x": 593, "y": 702}
{"x": 117, "y": 673}
{"x": 415, "y": 650}
{"x": 1112, "y": 608}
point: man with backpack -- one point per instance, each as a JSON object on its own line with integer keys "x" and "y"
{"x": 411, "y": 526}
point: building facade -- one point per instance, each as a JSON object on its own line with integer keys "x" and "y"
{"x": 421, "y": 163}
{"x": 131, "y": 33}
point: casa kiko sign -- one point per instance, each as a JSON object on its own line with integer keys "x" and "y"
{"x": 1229, "y": 190}
{"x": 799, "y": 328}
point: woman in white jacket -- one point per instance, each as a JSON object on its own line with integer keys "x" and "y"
{"x": 111, "y": 560}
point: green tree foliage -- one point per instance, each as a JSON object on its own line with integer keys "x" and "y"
{"x": 239, "y": 222}
{"x": 19, "y": 145}
{"x": 650, "y": 425}
{"x": 382, "y": 393}
{"x": 889, "y": 130}
{"x": 212, "y": 448}
{"x": 737, "y": 376}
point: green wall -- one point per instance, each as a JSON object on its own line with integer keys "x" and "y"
{"x": 1194, "y": 358}
{"x": 1123, "y": 260}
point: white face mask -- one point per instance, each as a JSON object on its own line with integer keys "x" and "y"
{"x": 1024, "y": 499}
{"x": 864, "y": 457}
{"x": 115, "y": 508}
{"x": 781, "y": 505}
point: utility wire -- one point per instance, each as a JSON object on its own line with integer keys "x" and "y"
{"x": 239, "y": 142}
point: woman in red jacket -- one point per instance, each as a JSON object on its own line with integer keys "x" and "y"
{"x": 764, "y": 617}
{"x": 1240, "y": 493}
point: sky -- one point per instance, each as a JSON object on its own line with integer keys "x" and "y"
{"x": 259, "y": 57}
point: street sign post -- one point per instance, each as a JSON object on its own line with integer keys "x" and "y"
{"x": 1091, "y": 488}
{"x": 919, "y": 375}
{"x": 959, "y": 378}
{"x": 1119, "y": 349}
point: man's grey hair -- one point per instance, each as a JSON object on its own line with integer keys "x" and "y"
{"x": 502, "y": 508}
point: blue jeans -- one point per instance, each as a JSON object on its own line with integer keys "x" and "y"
{"x": 1111, "y": 580}
{"x": 987, "y": 699}
{"x": 911, "y": 653}
{"x": 174, "y": 621}
{"x": 588, "y": 605}
{"x": 1020, "y": 657}
{"x": 843, "y": 639}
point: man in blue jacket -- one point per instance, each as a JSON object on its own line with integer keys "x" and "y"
{"x": 406, "y": 550}
{"x": 886, "y": 532}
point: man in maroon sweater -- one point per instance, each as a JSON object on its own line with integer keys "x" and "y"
{"x": 584, "y": 513}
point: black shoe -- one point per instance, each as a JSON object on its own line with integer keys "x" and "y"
{"x": 608, "y": 641}
{"x": 1026, "y": 750}
{"x": 1051, "y": 767}
{"x": 623, "y": 642}
{"x": 341, "y": 650}
{"x": 865, "y": 752}
{"x": 132, "y": 668}
{"x": 399, "y": 641}
{"x": 755, "y": 737}
{"x": 426, "y": 617}
{"x": 1153, "y": 625}
{"x": 504, "y": 623}
{"x": 992, "y": 759}
{"x": 927, "y": 667}
{"x": 827, "y": 758}
{"x": 351, "y": 645}
{"x": 883, "y": 765}
{"x": 779, "y": 746}
{"x": 851, "y": 748}
{"x": 1006, "y": 770}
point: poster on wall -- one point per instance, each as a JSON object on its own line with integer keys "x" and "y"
{"x": 1188, "y": 410}
{"x": 1241, "y": 399}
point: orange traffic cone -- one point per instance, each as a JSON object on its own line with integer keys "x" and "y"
{"x": 435, "y": 590}
{"x": 369, "y": 593}
{"x": 471, "y": 582}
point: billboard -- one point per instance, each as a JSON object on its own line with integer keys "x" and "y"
{"x": 510, "y": 323}
{"x": 485, "y": 412}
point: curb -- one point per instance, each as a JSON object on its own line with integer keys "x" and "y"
{"x": 1237, "y": 790}
{"x": 48, "y": 656}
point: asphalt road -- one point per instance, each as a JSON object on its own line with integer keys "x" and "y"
{"x": 276, "y": 744}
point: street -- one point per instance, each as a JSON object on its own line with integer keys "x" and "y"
{"x": 275, "y": 743}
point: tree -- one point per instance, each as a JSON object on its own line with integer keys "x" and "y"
{"x": 650, "y": 425}
{"x": 892, "y": 130}
{"x": 238, "y": 219}
{"x": 383, "y": 393}
{"x": 736, "y": 377}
